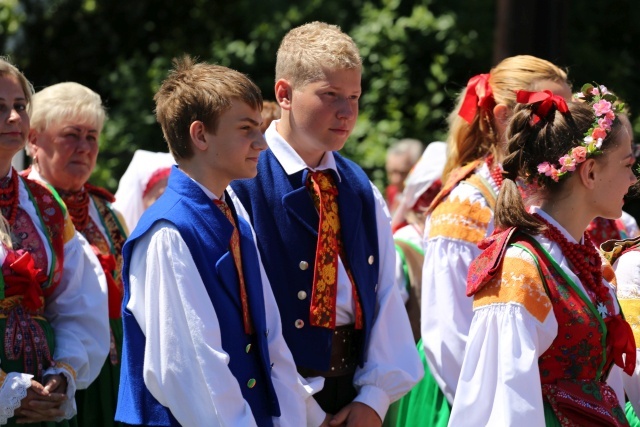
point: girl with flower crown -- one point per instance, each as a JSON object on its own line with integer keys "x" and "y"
{"x": 547, "y": 327}
{"x": 54, "y": 334}
{"x": 460, "y": 216}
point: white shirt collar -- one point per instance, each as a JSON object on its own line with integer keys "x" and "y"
{"x": 290, "y": 160}
{"x": 538, "y": 210}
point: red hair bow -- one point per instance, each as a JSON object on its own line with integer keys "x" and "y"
{"x": 478, "y": 94}
{"x": 545, "y": 100}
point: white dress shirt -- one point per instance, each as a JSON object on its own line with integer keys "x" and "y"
{"x": 185, "y": 367}
{"x": 392, "y": 365}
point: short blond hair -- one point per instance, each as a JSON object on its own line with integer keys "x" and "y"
{"x": 307, "y": 51}
{"x": 68, "y": 100}
{"x": 199, "y": 92}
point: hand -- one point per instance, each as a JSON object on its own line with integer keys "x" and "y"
{"x": 325, "y": 423}
{"x": 356, "y": 414}
{"x": 56, "y": 383}
{"x": 39, "y": 405}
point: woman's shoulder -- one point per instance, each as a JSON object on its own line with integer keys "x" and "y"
{"x": 519, "y": 282}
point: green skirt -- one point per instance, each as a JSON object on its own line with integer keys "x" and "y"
{"x": 97, "y": 404}
{"x": 18, "y": 366}
{"x": 424, "y": 406}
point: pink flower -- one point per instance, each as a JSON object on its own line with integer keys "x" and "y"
{"x": 555, "y": 174}
{"x": 544, "y": 168}
{"x": 579, "y": 154}
{"x": 568, "y": 163}
{"x": 611, "y": 116}
{"x": 604, "y": 90}
{"x": 605, "y": 123}
{"x": 599, "y": 133}
{"x": 595, "y": 91}
{"x": 602, "y": 107}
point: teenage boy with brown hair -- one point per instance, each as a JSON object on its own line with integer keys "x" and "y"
{"x": 202, "y": 335}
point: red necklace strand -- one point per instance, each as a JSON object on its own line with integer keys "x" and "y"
{"x": 495, "y": 170}
{"x": 78, "y": 206}
{"x": 584, "y": 259}
{"x": 9, "y": 198}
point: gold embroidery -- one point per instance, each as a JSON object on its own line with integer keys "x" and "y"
{"x": 631, "y": 310}
{"x": 460, "y": 219}
{"x": 519, "y": 282}
{"x": 480, "y": 184}
{"x": 67, "y": 368}
{"x": 69, "y": 229}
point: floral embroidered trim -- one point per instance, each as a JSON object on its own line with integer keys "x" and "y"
{"x": 605, "y": 109}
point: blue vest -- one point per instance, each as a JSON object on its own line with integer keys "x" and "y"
{"x": 207, "y": 233}
{"x": 286, "y": 224}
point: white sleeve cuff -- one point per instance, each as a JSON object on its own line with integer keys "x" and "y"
{"x": 375, "y": 398}
{"x": 69, "y": 405}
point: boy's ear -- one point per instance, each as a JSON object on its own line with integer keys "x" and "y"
{"x": 283, "y": 92}
{"x": 197, "y": 132}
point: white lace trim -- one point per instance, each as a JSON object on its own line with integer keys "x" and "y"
{"x": 13, "y": 390}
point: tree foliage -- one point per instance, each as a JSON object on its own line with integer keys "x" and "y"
{"x": 417, "y": 55}
{"x": 412, "y": 52}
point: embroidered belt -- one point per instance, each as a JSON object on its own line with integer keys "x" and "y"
{"x": 345, "y": 353}
{"x": 24, "y": 337}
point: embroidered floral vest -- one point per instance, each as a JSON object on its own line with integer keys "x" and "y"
{"x": 52, "y": 215}
{"x": 579, "y": 350}
{"x": 117, "y": 236}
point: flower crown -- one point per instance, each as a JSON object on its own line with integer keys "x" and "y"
{"x": 605, "y": 108}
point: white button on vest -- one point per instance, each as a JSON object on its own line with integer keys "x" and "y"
{"x": 302, "y": 295}
{"x": 299, "y": 323}
{"x": 370, "y": 259}
{"x": 304, "y": 265}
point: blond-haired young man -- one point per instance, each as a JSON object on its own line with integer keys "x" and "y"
{"x": 202, "y": 335}
{"x": 343, "y": 319}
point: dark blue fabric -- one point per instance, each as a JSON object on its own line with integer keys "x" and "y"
{"x": 207, "y": 233}
{"x": 286, "y": 224}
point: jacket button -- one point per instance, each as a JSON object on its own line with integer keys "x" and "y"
{"x": 302, "y": 295}
{"x": 371, "y": 259}
{"x": 303, "y": 265}
{"x": 247, "y": 349}
{"x": 299, "y": 323}
{"x": 251, "y": 383}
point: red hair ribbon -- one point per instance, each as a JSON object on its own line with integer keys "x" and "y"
{"x": 478, "y": 94}
{"x": 545, "y": 100}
